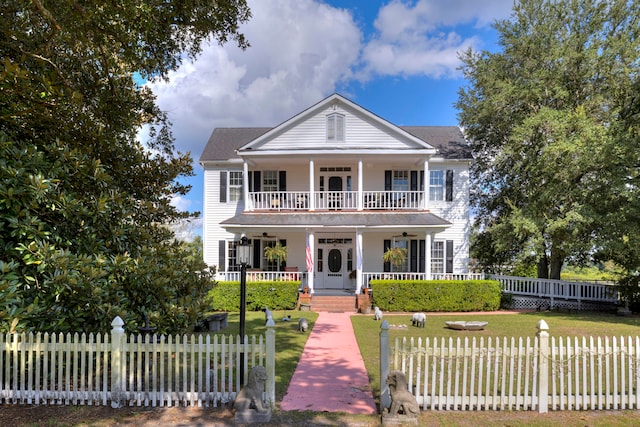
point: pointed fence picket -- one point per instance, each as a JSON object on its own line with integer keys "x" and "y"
{"x": 538, "y": 373}
{"x": 130, "y": 369}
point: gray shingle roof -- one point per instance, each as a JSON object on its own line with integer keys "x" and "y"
{"x": 448, "y": 140}
{"x": 337, "y": 219}
{"x": 224, "y": 142}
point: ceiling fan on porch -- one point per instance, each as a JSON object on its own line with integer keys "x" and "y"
{"x": 404, "y": 234}
{"x": 265, "y": 235}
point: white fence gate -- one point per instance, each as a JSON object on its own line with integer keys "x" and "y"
{"x": 133, "y": 370}
{"x": 539, "y": 373}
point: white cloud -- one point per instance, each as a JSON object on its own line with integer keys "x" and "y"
{"x": 300, "y": 50}
{"x": 424, "y": 38}
{"x": 181, "y": 203}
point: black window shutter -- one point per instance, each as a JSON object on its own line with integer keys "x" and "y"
{"x": 222, "y": 246}
{"x": 283, "y": 264}
{"x": 421, "y": 257}
{"x": 223, "y": 187}
{"x": 421, "y": 180}
{"x": 449, "y": 255}
{"x": 387, "y": 265}
{"x": 282, "y": 181}
{"x": 414, "y": 181}
{"x": 387, "y": 181}
{"x": 256, "y": 253}
{"x": 257, "y": 181}
{"x": 250, "y": 181}
{"x": 449, "y": 186}
{"x": 413, "y": 256}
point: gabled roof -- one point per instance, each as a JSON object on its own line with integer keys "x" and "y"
{"x": 224, "y": 142}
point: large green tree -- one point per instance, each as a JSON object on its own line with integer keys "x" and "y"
{"x": 83, "y": 202}
{"x": 545, "y": 118}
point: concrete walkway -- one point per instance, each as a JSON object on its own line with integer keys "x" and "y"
{"x": 330, "y": 375}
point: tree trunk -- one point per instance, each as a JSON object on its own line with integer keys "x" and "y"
{"x": 557, "y": 260}
{"x": 543, "y": 267}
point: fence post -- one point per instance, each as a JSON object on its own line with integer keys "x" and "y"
{"x": 117, "y": 383}
{"x": 543, "y": 366}
{"x": 385, "y": 397}
{"x": 270, "y": 362}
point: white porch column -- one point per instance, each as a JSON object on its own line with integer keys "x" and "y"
{"x": 311, "y": 252}
{"x": 312, "y": 180}
{"x": 248, "y": 206}
{"x": 427, "y": 256}
{"x": 425, "y": 190}
{"x": 358, "y": 261}
{"x": 360, "y": 187}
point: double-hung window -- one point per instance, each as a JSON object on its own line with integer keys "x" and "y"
{"x": 235, "y": 186}
{"x": 232, "y": 252}
{"x": 437, "y": 257}
{"x": 269, "y": 181}
{"x": 436, "y": 185}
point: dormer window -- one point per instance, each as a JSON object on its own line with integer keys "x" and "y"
{"x": 335, "y": 127}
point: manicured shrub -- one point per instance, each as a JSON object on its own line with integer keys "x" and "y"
{"x": 436, "y": 295}
{"x": 277, "y": 295}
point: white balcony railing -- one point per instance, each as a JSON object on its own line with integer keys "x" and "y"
{"x": 335, "y": 200}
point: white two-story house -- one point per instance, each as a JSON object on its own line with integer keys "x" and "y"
{"x": 338, "y": 185}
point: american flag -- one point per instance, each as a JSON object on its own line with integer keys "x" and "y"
{"x": 309, "y": 256}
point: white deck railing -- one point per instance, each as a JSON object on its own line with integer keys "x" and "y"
{"x": 261, "y": 276}
{"x": 558, "y": 289}
{"x": 335, "y": 200}
{"x": 367, "y": 277}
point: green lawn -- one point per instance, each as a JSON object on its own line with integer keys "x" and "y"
{"x": 289, "y": 342}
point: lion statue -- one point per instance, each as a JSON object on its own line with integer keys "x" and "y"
{"x": 401, "y": 398}
{"x": 250, "y": 397}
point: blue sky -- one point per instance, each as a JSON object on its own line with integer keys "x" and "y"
{"x": 397, "y": 59}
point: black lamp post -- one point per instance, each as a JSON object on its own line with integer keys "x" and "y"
{"x": 243, "y": 253}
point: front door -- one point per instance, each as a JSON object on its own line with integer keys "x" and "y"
{"x": 335, "y": 192}
{"x": 334, "y": 256}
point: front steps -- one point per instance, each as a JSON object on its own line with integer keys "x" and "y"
{"x": 334, "y": 304}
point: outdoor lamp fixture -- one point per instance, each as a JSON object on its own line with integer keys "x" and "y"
{"x": 243, "y": 253}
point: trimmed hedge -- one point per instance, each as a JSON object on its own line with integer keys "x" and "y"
{"x": 436, "y": 295}
{"x": 277, "y": 295}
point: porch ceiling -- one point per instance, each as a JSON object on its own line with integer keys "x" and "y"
{"x": 337, "y": 220}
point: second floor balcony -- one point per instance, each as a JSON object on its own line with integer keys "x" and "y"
{"x": 335, "y": 200}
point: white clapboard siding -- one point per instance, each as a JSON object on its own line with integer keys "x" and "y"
{"x": 180, "y": 370}
{"x": 471, "y": 373}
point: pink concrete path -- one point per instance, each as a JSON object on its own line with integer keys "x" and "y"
{"x": 330, "y": 375}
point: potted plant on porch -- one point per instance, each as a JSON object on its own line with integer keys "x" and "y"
{"x": 396, "y": 256}
{"x": 276, "y": 253}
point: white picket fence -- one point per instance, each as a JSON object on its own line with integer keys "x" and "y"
{"x": 130, "y": 370}
{"x": 534, "y": 373}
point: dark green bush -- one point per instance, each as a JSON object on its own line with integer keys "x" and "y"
{"x": 436, "y": 295}
{"x": 277, "y": 295}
